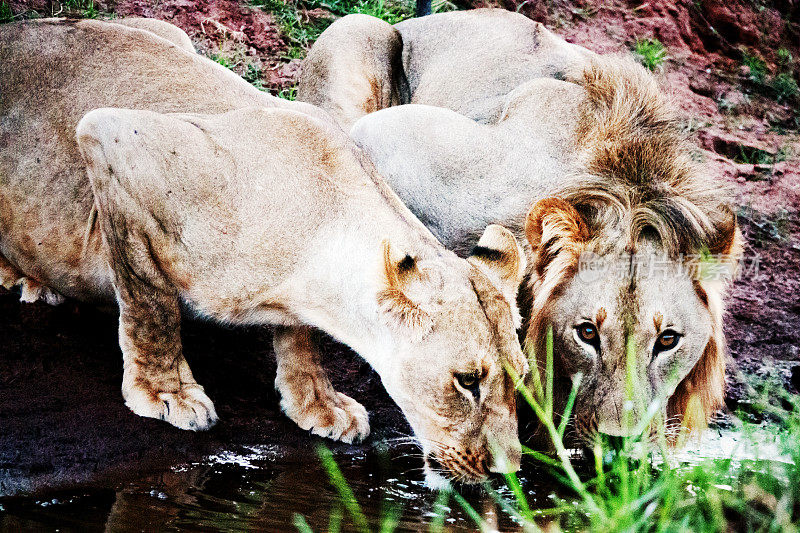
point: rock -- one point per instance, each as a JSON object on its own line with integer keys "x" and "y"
{"x": 744, "y": 71}
{"x": 702, "y": 84}
{"x": 740, "y": 147}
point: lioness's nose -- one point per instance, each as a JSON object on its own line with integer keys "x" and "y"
{"x": 506, "y": 461}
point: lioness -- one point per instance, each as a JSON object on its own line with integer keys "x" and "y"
{"x": 258, "y": 215}
{"x": 582, "y": 155}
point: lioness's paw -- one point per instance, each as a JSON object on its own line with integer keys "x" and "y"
{"x": 189, "y": 408}
{"x": 339, "y": 418}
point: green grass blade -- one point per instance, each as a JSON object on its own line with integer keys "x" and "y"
{"x": 549, "y": 370}
{"x": 542, "y": 458}
{"x": 528, "y": 524}
{"x": 576, "y": 382}
{"x": 471, "y": 512}
{"x": 513, "y": 483}
{"x": 536, "y": 378}
{"x": 335, "y": 521}
{"x": 301, "y": 524}
{"x": 440, "y": 508}
{"x": 345, "y": 492}
{"x": 391, "y": 518}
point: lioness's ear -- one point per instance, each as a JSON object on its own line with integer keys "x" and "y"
{"x": 501, "y": 258}
{"x": 402, "y": 280}
{"x": 551, "y": 226}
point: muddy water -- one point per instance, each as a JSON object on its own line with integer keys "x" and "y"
{"x": 252, "y": 489}
{"x": 255, "y": 488}
{"x": 63, "y": 424}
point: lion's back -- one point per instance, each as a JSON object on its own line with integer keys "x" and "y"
{"x": 489, "y": 51}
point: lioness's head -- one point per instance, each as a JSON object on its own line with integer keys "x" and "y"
{"x": 456, "y": 323}
{"x": 638, "y": 322}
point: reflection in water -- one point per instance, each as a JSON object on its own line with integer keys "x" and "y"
{"x": 254, "y": 490}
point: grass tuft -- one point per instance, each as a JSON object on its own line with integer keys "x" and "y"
{"x": 300, "y": 28}
{"x": 782, "y": 86}
{"x": 650, "y": 52}
{"x": 756, "y": 66}
{"x": 784, "y": 57}
{"x": 6, "y": 15}
{"x": 83, "y": 8}
{"x": 639, "y": 485}
{"x": 288, "y": 93}
{"x": 785, "y": 87}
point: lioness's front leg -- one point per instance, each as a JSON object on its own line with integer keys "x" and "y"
{"x": 156, "y": 380}
{"x": 307, "y": 396}
{"x": 143, "y": 246}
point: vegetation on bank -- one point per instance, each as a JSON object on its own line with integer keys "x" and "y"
{"x": 302, "y": 22}
{"x": 782, "y": 85}
{"x": 639, "y": 484}
{"x": 650, "y": 52}
{"x": 6, "y": 15}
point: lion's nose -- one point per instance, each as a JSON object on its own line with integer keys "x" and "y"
{"x": 614, "y": 442}
{"x": 615, "y": 429}
{"x": 506, "y": 461}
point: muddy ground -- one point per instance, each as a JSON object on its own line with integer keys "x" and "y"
{"x": 62, "y": 418}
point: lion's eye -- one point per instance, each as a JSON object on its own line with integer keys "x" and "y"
{"x": 470, "y": 381}
{"x": 666, "y": 341}
{"x": 588, "y": 334}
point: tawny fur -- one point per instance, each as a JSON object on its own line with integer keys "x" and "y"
{"x": 208, "y": 195}
{"x": 504, "y": 122}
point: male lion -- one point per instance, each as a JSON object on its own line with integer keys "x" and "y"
{"x": 506, "y": 123}
{"x": 261, "y": 214}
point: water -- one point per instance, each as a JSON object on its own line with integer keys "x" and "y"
{"x": 259, "y": 489}
{"x": 254, "y": 489}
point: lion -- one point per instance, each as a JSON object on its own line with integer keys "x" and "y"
{"x": 211, "y": 199}
{"x": 486, "y": 117}
{"x": 163, "y": 29}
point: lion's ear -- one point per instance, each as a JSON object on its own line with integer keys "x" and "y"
{"x": 727, "y": 243}
{"x": 400, "y": 296}
{"x": 553, "y": 226}
{"x": 501, "y": 258}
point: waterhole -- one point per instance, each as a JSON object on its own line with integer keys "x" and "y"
{"x": 263, "y": 488}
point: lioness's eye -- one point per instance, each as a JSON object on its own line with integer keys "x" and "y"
{"x": 470, "y": 381}
{"x": 666, "y": 341}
